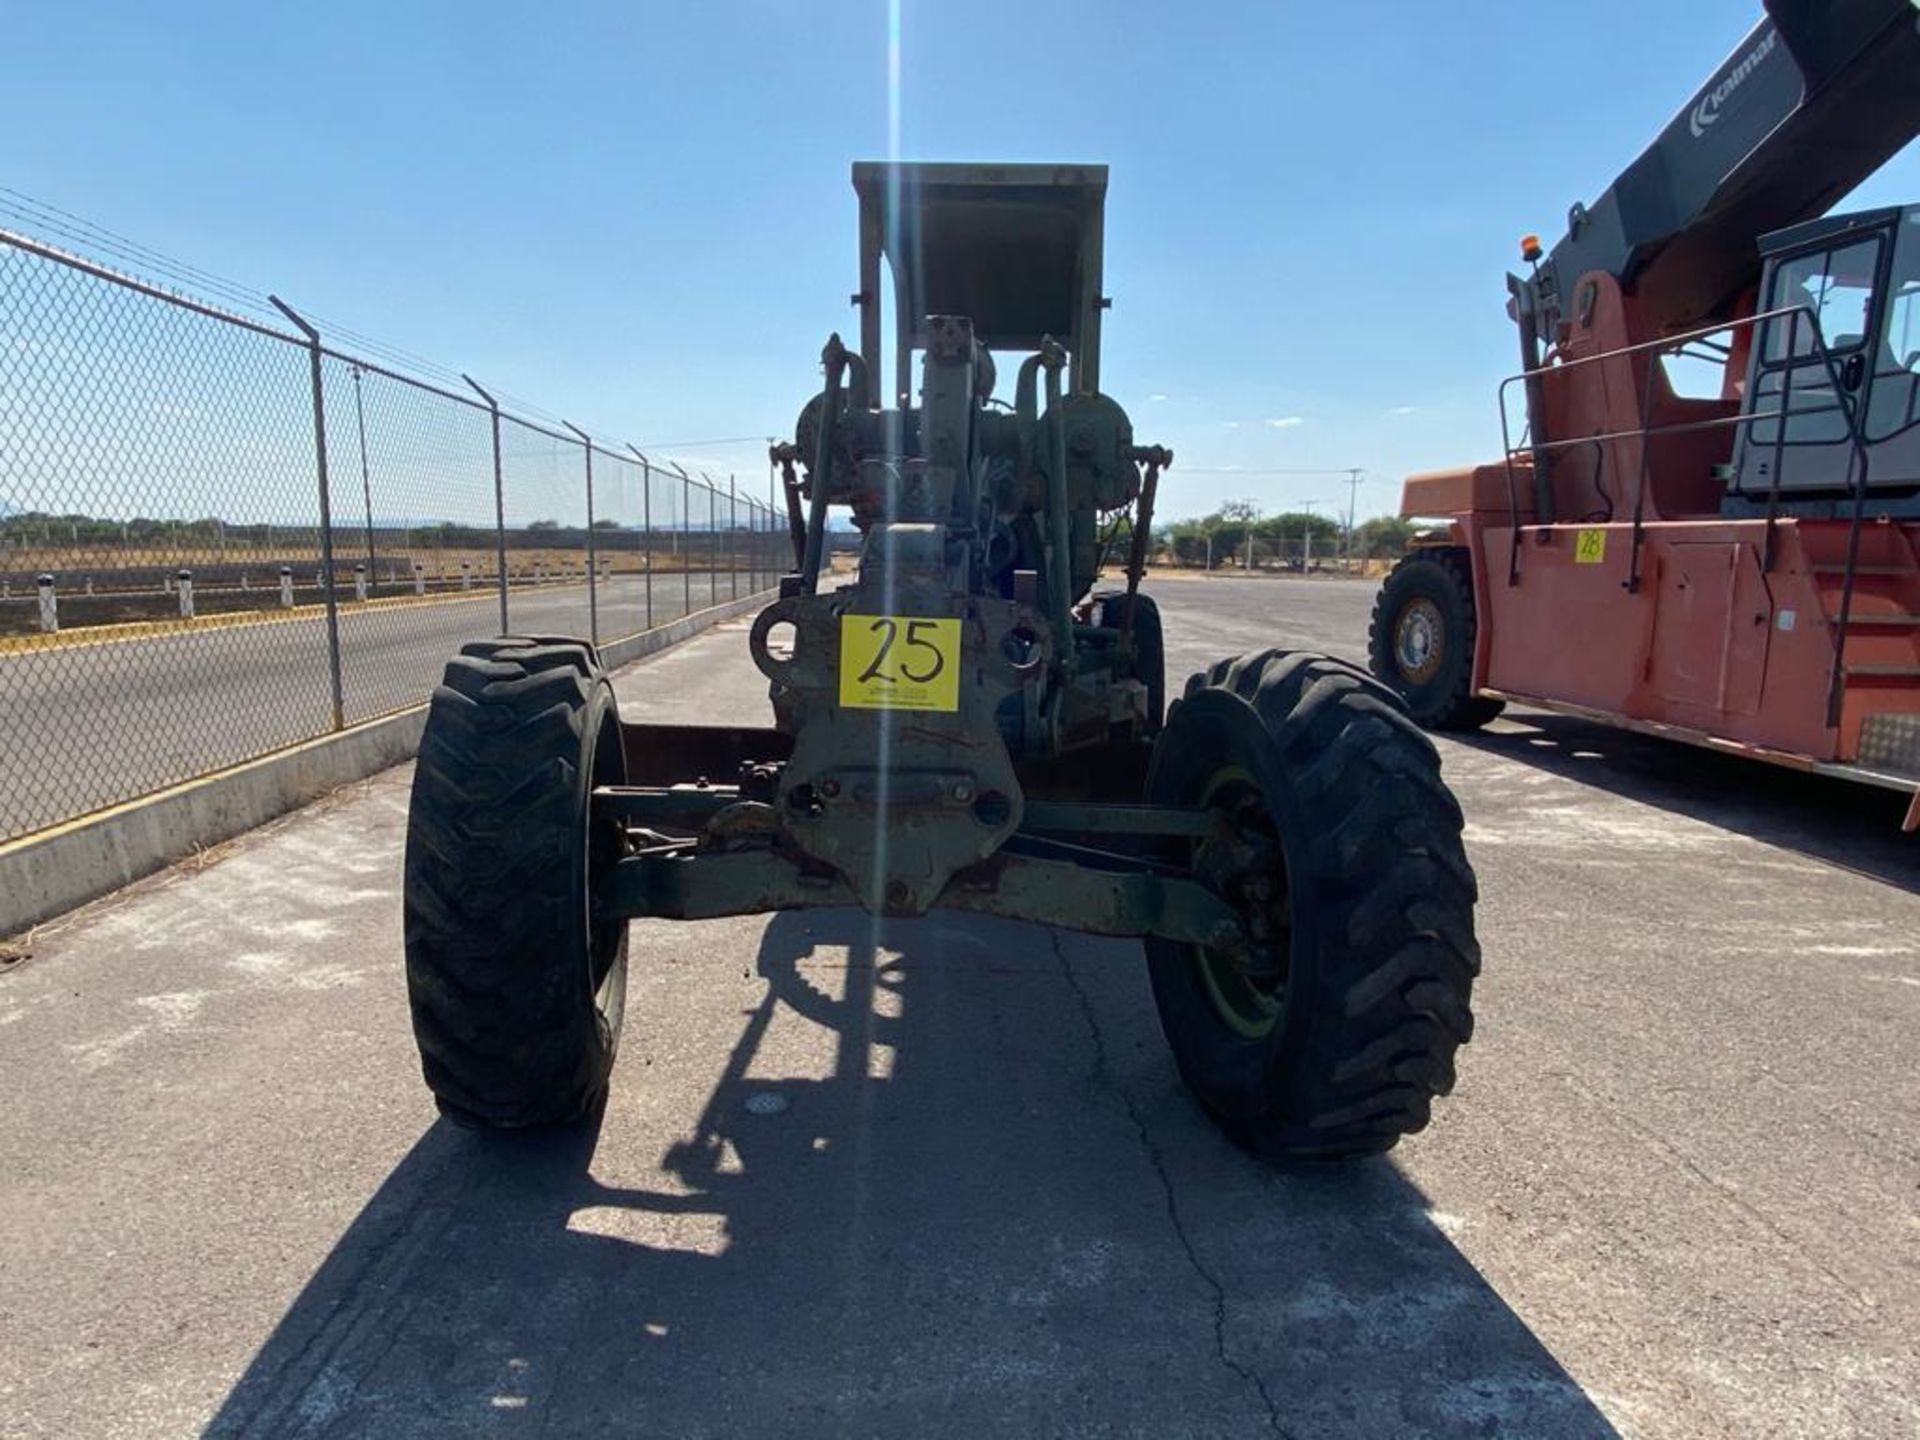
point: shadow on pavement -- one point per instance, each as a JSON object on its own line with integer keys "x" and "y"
{"x": 997, "y": 1215}
{"x": 1838, "y": 822}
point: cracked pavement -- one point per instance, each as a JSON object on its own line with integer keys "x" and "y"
{"x": 938, "y": 1178}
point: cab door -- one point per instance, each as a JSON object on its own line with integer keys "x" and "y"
{"x": 1811, "y": 365}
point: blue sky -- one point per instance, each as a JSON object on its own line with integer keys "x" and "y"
{"x": 639, "y": 217}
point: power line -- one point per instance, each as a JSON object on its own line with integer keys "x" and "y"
{"x": 696, "y": 444}
{"x": 1261, "y": 474}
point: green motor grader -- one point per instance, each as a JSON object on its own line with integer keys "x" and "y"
{"x": 966, "y": 724}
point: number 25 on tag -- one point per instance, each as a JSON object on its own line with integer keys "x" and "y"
{"x": 899, "y": 662}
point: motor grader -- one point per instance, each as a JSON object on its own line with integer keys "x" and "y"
{"x": 966, "y": 724}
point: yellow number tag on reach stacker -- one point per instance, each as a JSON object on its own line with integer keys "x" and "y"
{"x": 1589, "y": 547}
{"x": 899, "y": 662}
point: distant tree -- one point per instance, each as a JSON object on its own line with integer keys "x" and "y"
{"x": 1287, "y": 529}
{"x": 543, "y": 526}
{"x": 1186, "y": 541}
{"x": 1383, "y": 537}
{"x": 604, "y": 523}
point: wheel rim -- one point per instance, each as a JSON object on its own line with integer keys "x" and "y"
{"x": 1249, "y": 1004}
{"x": 1419, "y": 640}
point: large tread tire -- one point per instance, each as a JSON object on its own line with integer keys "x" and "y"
{"x": 1439, "y": 581}
{"x": 515, "y": 985}
{"x": 1150, "y": 646}
{"x": 1376, "y": 906}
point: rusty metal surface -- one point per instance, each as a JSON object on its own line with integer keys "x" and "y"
{"x": 670, "y": 754}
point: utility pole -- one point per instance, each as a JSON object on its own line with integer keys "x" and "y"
{"x": 1306, "y": 537}
{"x": 1353, "y": 491}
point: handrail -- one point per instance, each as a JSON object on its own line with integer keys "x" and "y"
{"x": 1644, "y": 431}
{"x": 1843, "y": 403}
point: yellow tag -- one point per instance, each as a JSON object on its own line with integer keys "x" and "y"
{"x": 899, "y": 662}
{"x": 1589, "y": 547}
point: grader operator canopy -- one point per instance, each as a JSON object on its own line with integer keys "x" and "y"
{"x": 1015, "y": 248}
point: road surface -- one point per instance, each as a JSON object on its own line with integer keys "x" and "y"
{"x": 89, "y": 725}
{"x": 939, "y": 1179}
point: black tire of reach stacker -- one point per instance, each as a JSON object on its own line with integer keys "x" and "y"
{"x": 1420, "y": 640}
{"x": 1150, "y": 646}
{"x": 516, "y": 985}
{"x": 1339, "y": 1042}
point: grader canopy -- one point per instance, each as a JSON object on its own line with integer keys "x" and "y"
{"x": 1014, "y": 248}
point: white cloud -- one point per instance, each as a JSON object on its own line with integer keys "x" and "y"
{"x": 1233, "y": 424}
{"x": 1287, "y": 422}
{"x": 1403, "y": 410}
{"x": 1156, "y": 397}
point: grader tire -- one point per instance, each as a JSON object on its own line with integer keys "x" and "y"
{"x": 515, "y": 985}
{"x": 1421, "y": 637}
{"x": 1149, "y": 642}
{"x": 1350, "y": 861}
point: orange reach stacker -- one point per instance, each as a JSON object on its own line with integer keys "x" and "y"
{"x": 1733, "y": 562}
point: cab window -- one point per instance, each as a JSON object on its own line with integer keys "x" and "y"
{"x": 1836, "y": 288}
{"x": 1893, "y": 404}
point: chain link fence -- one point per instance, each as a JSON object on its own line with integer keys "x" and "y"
{"x": 220, "y": 536}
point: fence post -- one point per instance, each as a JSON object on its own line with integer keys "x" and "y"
{"x": 186, "y": 594}
{"x": 499, "y": 501}
{"x": 326, "y": 509}
{"x": 359, "y": 580}
{"x": 686, "y": 539}
{"x": 646, "y": 523}
{"x": 593, "y": 583}
{"x": 286, "y": 587}
{"x": 366, "y": 478}
{"x": 49, "y": 605}
{"x": 733, "y": 537}
{"x": 419, "y": 578}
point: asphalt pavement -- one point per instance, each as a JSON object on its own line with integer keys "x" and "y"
{"x": 92, "y": 723}
{"x": 939, "y": 1179}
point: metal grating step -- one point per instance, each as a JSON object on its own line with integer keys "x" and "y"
{"x": 1884, "y": 672}
{"x": 1891, "y": 742}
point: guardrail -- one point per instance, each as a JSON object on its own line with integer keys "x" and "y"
{"x": 1781, "y": 417}
{"x": 220, "y": 536}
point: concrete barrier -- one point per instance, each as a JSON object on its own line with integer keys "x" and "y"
{"x": 51, "y": 871}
